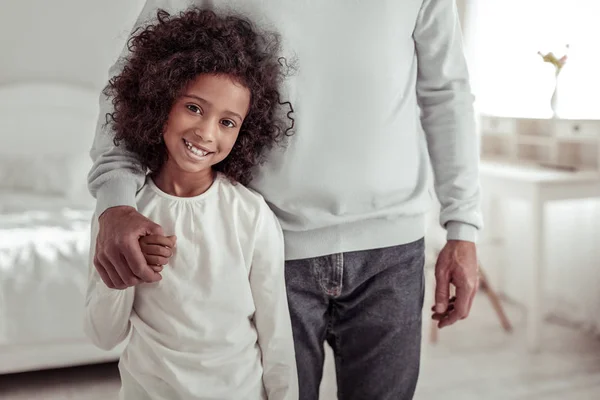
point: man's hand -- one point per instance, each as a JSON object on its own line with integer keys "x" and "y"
{"x": 457, "y": 265}
{"x": 119, "y": 259}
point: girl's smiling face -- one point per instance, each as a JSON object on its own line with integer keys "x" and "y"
{"x": 204, "y": 123}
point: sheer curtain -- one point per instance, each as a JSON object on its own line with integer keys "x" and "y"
{"x": 502, "y": 38}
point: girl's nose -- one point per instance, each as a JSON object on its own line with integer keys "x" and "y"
{"x": 206, "y": 131}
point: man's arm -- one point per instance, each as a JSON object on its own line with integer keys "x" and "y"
{"x": 116, "y": 174}
{"x": 114, "y": 179}
{"x": 448, "y": 118}
{"x": 272, "y": 318}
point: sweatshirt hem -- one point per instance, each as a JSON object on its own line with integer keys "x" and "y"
{"x": 357, "y": 236}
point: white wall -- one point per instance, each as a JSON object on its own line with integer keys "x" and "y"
{"x": 66, "y": 40}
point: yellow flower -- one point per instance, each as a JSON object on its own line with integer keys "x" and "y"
{"x": 558, "y": 63}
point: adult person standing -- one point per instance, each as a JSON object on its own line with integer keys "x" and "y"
{"x": 351, "y": 187}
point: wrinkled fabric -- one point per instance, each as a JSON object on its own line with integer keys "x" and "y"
{"x": 217, "y": 325}
{"x": 43, "y": 273}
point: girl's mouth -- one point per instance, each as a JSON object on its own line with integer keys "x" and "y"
{"x": 195, "y": 151}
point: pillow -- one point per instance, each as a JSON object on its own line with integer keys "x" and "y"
{"x": 62, "y": 175}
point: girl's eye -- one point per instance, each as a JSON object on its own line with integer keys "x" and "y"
{"x": 193, "y": 108}
{"x": 228, "y": 123}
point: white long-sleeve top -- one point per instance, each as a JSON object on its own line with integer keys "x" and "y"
{"x": 217, "y": 325}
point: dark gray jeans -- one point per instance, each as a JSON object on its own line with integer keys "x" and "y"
{"x": 367, "y": 305}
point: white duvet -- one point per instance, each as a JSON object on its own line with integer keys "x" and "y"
{"x": 44, "y": 247}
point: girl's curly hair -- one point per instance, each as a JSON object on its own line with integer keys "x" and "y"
{"x": 166, "y": 55}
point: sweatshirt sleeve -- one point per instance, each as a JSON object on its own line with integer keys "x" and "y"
{"x": 107, "y": 311}
{"x": 448, "y": 118}
{"x": 272, "y": 318}
{"x": 116, "y": 174}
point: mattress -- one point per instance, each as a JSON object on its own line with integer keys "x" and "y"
{"x": 44, "y": 247}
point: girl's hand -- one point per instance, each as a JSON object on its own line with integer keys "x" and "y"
{"x": 157, "y": 250}
{"x": 118, "y": 257}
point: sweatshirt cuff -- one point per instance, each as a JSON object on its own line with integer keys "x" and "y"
{"x": 461, "y": 231}
{"x": 115, "y": 192}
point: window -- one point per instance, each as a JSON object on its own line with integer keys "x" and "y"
{"x": 509, "y": 78}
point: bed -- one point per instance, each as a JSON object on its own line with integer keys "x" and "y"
{"x": 45, "y": 214}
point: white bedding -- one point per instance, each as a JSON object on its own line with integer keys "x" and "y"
{"x": 45, "y": 213}
{"x": 44, "y": 247}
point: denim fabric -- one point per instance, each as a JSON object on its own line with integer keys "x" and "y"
{"x": 367, "y": 305}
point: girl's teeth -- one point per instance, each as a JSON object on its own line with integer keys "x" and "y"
{"x": 194, "y": 150}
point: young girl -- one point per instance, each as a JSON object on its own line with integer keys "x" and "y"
{"x": 197, "y": 104}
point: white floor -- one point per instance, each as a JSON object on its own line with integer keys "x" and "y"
{"x": 474, "y": 360}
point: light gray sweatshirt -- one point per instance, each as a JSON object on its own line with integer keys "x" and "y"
{"x": 355, "y": 174}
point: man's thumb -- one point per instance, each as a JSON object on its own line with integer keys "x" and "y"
{"x": 442, "y": 294}
{"x": 155, "y": 229}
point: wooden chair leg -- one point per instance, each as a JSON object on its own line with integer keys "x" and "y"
{"x": 484, "y": 284}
